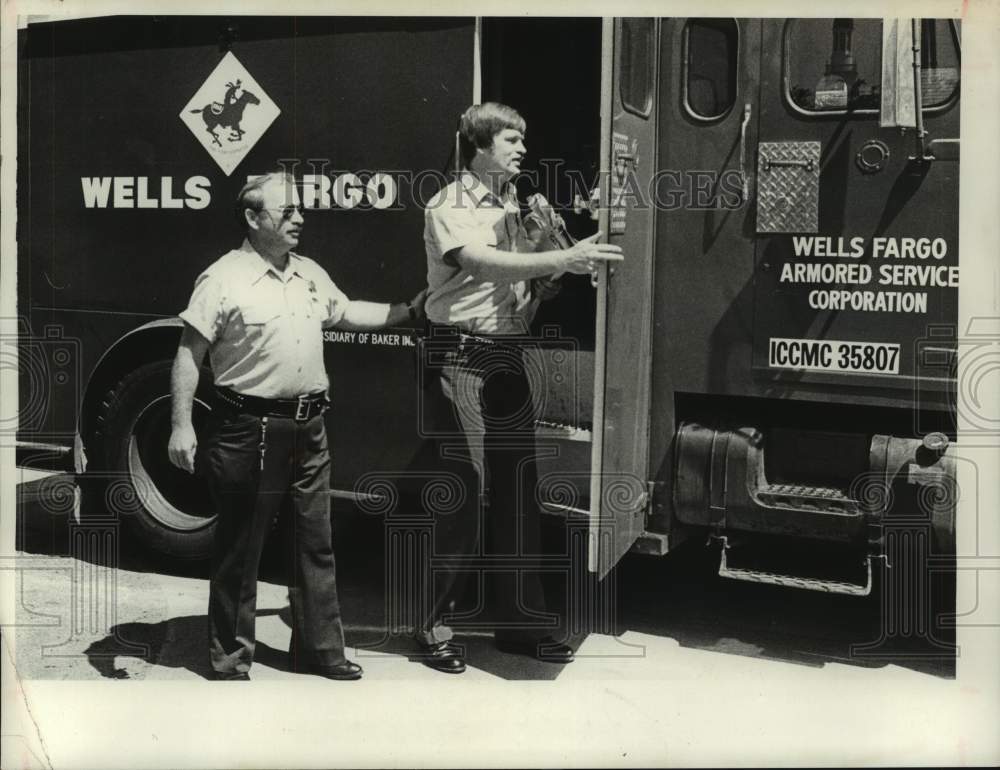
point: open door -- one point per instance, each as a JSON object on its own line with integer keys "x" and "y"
{"x": 619, "y": 489}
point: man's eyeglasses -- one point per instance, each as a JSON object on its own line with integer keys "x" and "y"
{"x": 288, "y": 211}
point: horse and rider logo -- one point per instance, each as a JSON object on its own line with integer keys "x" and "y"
{"x": 228, "y": 113}
{"x": 230, "y": 127}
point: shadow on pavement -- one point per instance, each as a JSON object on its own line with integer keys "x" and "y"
{"x": 46, "y": 521}
{"x": 678, "y": 597}
{"x": 175, "y": 643}
{"x": 478, "y": 649}
{"x": 362, "y": 580}
{"x": 180, "y": 642}
{"x": 682, "y": 597}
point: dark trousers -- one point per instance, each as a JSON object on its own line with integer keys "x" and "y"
{"x": 295, "y": 477}
{"x": 478, "y": 411}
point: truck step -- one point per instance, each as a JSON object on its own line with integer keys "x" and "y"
{"x": 801, "y": 496}
{"x": 801, "y": 490}
{"x": 561, "y": 430}
{"x": 825, "y": 584}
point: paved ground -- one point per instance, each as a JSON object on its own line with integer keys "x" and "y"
{"x": 684, "y": 668}
{"x": 77, "y": 620}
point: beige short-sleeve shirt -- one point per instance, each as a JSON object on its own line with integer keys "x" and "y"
{"x": 264, "y": 327}
{"x": 464, "y": 213}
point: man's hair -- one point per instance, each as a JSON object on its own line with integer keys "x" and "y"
{"x": 481, "y": 123}
{"x": 251, "y": 197}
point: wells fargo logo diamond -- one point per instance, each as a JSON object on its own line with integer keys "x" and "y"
{"x": 229, "y": 113}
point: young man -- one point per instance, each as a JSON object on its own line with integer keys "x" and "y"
{"x": 259, "y": 312}
{"x": 478, "y": 404}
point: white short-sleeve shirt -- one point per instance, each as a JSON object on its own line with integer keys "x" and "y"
{"x": 264, "y": 327}
{"x": 464, "y": 213}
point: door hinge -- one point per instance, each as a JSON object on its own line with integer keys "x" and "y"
{"x": 646, "y": 502}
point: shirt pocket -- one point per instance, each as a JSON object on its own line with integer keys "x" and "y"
{"x": 260, "y": 321}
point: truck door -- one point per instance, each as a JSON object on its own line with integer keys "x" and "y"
{"x": 857, "y": 238}
{"x": 624, "y": 297}
{"x": 703, "y": 277}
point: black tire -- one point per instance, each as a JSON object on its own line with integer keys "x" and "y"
{"x": 166, "y": 509}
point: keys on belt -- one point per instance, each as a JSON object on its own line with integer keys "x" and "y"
{"x": 301, "y": 409}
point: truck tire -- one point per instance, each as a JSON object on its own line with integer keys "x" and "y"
{"x": 166, "y": 509}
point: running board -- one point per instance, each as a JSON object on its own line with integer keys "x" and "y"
{"x": 41, "y": 446}
{"x": 795, "y": 581}
{"x": 546, "y": 429}
{"x": 43, "y": 456}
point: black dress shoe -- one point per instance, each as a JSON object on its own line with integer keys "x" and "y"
{"x": 442, "y": 657}
{"x": 230, "y": 676}
{"x": 547, "y": 649}
{"x": 343, "y": 672}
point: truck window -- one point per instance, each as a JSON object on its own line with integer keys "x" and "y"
{"x": 637, "y": 62}
{"x": 711, "y": 48}
{"x": 940, "y": 59}
{"x": 835, "y": 65}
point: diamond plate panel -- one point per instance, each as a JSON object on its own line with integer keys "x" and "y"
{"x": 788, "y": 187}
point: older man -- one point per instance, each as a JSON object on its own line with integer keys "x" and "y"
{"x": 259, "y": 312}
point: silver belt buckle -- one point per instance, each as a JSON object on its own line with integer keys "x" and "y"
{"x": 302, "y": 409}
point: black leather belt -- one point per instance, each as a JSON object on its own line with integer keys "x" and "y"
{"x": 299, "y": 409}
{"x": 446, "y": 333}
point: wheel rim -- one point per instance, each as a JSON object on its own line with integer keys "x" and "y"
{"x": 174, "y": 498}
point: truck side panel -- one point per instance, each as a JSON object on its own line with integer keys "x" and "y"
{"x": 101, "y": 98}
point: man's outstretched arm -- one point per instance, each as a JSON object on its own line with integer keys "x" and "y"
{"x": 488, "y": 263}
{"x": 361, "y": 314}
